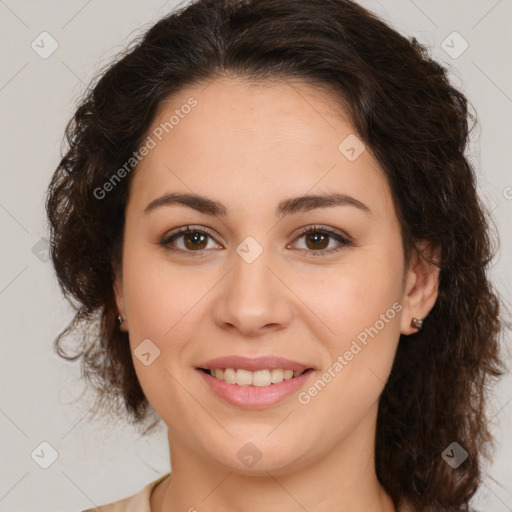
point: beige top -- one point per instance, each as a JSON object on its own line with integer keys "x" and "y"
{"x": 137, "y": 503}
{"x": 140, "y": 502}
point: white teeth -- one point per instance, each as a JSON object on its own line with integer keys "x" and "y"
{"x": 229, "y": 376}
{"x": 243, "y": 377}
{"x": 258, "y": 378}
{"x": 276, "y": 375}
{"x": 261, "y": 378}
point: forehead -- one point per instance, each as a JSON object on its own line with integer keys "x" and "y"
{"x": 251, "y": 144}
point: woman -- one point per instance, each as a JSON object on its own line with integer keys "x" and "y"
{"x": 267, "y": 208}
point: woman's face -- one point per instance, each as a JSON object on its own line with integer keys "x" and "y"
{"x": 265, "y": 162}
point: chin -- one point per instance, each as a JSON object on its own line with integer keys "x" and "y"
{"x": 253, "y": 461}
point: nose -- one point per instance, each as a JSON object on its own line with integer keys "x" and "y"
{"x": 253, "y": 300}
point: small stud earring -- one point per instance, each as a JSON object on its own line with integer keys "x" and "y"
{"x": 120, "y": 319}
{"x": 417, "y": 323}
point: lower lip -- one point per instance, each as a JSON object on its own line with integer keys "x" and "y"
{"x": 255, "y": 397}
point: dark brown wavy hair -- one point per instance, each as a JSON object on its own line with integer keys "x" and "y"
{"x": 416, "y": 124}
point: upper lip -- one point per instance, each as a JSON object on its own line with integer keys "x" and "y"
{"x": 253, "y": 363}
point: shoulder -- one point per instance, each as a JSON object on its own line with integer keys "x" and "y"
{"x": 139, "y": 502}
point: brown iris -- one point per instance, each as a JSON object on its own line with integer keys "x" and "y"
{"x": 194, "y": 240}
{"x": 320, "y": 240}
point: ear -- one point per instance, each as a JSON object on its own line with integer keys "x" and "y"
{"x": 421, "y": 285}
{"x": 119, "y": 298}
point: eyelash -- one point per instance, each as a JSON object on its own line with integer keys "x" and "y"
{"x": 343, "y": 240}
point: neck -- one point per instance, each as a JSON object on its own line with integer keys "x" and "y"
{"x": 343, "y": 479}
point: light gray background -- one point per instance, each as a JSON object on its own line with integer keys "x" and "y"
{"x": 98, "y": 463}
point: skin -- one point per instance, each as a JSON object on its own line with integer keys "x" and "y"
{"x": 249, "y": 147}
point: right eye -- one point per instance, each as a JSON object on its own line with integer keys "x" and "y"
{"x": 191, "y": 240}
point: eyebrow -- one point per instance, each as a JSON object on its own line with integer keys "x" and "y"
{"x": 286, "y": 207}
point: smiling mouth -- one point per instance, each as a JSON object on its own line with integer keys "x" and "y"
{"x": 258, "y": 378}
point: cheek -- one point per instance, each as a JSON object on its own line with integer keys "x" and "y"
{"x": 158, "y": 294}
{"x": 357, "y": 318}
{"x": 350, "y": 384}
{"x": 351, "y": 296}
{"x": 162, "y": 306}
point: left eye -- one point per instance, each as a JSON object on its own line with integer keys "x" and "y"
{"x": 318, "y": 240}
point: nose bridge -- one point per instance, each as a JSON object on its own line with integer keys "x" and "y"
{"x": 253, "y": 298}
{"x": 251, "y": 275}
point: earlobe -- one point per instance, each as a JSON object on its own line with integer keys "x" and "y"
{"x": 119, "y": 298}
{"x": 421, "y": 288}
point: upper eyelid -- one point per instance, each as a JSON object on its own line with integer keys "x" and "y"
{"x": 313, "y": 228}
{"x": 166, "y": 238}
{"x": 189, "y": 227}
